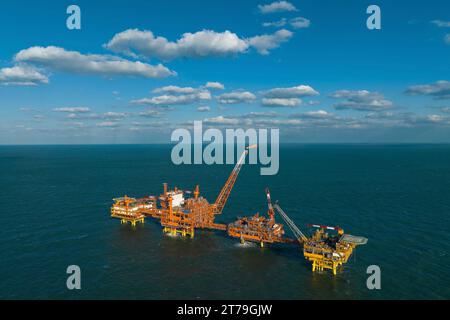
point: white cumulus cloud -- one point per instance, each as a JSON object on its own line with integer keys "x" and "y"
{"x": 281, "y": 102}
{"x": 291, "y": 92}
{"x": 361, "y": 100}
{"x": 319, "y": 114}
{"x": 192, "y": 45}
{"x": 175, "y": 89}
{"x": 236, "y": 97}
{"x": 266, "y": 42}
{"x": 205, "y": 43}
{"x": 277, "y": 6}
{"x": 203, "y": 109}
{"x": 438, "y": 90}
{"x": 221, "y": 120}
{"x": 56, "y": 58}
{"x": 150, "y": 113}
{"x": 296, "y": 23}
{"x": 279, "y": 23}
{"x": 168, "y": 100}
{"x": 73, "y": 109}
{"x": 214, "y": 85}
{"x": 22, "y": 75}
{"x": 441, "y": 23}
{"x": 300, "y": 22}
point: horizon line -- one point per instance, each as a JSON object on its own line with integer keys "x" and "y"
{"x": 174, "y": 143}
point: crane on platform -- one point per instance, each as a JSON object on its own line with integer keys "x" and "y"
{"x": 295, "y": 230}
{"x": 270, "y": 210}
{"x": 324, "y": 251}
{"x": 226, "y": 189}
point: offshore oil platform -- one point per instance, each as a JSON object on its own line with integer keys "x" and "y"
{"x": 258, "y": 228}
{"x": 180, "y": 215}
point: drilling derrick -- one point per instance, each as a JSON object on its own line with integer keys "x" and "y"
{"x": 259, "y": 228}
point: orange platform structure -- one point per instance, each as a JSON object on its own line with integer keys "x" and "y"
{"x": 177, "y": 214}
{"x": 324, "y": 250}
{"x": 180, "y": 214}
{"x": 258, "y": 228}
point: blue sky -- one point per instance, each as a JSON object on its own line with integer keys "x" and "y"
{"x": 139, "y": 69}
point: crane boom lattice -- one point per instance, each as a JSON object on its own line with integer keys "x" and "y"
{"x": 295, "y": 230}
{"x": 226, "y": 190}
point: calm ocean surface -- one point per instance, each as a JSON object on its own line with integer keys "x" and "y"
{"x": 55, "y": 204}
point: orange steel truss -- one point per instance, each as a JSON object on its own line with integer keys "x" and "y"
{"x": 226, "y": 190}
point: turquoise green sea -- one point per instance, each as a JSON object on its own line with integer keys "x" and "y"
{"x": 55, "y": 204}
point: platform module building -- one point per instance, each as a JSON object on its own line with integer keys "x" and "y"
{"x": 258, "y": 228}
{"x": 129, "y": 210}
{"x": 324, "y": 250}
{"x": 327, "y": 251}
